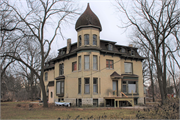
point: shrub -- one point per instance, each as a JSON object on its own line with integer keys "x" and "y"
{"x": 18, "y": 105}
{"x": 170, "y": 110}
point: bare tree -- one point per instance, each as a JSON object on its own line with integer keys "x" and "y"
{"x": 31, "y": 23}
{"x": 155, "y": 21}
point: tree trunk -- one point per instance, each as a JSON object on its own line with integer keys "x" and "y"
{"x": 164, "y": 72}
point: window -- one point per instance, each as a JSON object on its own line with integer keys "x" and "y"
{"x": 132, "y": 53}
{"x": 124, "y": 87}
{"x": 61, "y": 69}
{"x": 74, "y": 66}
{"x": 128, "y": 68}
{"x": 95, "y": 85}
{"x": 123, "y": 50}
{"x": 109, "y": 64}
{"x": 62, "y": 52}
{"x": 86, "y": 85}
{"x": 60, "y": 87}
{"x": 51, "y": 95}
{"x": 110, "y": 47}
{"x": 79, "y": 86}
{"x": 86, "y": 62}
{"x": 132, "y": 87}
{"x": 79, "y": 40}
{"x": 79, "y": 63}
{"x": 94, "y": 39}
{"x": 115, "y": 87}
{"x": 46, "y": 76}
{"x": 86, "y": 39}
{"x": 95, "y": 62}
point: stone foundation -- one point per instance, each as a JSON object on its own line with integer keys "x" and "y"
{"x": 141, "y": 100}
{"x": 71, "y": 100}
{"x": 101, "y": 102}
{"x": 87, "y": 101}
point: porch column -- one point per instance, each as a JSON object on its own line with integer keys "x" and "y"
{"x": 114, "y": 103}
{"x": 118, "y": 104}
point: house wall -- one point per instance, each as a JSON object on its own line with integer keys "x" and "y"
{"x": 50, "y": 78}
{"x": 51, "y": 99}
{"x": 102, "y": 73}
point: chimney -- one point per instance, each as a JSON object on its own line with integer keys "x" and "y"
{"x": 68, "y": 45}
{"x": 130, "y": 45}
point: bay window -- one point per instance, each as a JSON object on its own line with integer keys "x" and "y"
{"x": 95, "y": 62}
{"x": 86, "y": 62}
{"x": 79, "y": 86}
{"x": 86, "y": 39}
{"x": 94, "y": 39}
{"x": 79, "y": 63}
{"x": 60, "y": 88}
{"x": 95, "y": 85}
{"x": 79, "y": 40}
{"x": 86, "y": 86}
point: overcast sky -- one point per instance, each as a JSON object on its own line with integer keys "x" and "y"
{"x": 109, "y": 19}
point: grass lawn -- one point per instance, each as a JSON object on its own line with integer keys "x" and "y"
{"x": 9, "y": 110}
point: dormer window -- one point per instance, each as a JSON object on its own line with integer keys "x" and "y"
{"x": 79, "y": 40}
{"x": 132, "y": 52}
{"x": 62, "y": 52}
{"x": 110, "y": 47}
{"x": 86, "y": 39}
{"x": 94, "y": 39}
{"x": 123, "y": 50}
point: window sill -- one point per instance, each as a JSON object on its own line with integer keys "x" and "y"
{"x": 128, "y": 73}
{"x": 74, "y": 71}
{"x": 60, "y": 95}
{"x": 95, "y": 70}
{"x": 109, "y": 68}
{"x": 95, "y": 93}
{"x": 86, "y": 45}
{"x": 87, "y": 70}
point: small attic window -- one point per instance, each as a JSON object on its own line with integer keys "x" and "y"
{"x": 122, "y": 50}
{"x": 132, "y": 53}
{"x": 62, "y": 52}
{"x": 110, "y": 47}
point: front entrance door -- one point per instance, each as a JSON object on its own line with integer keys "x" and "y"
{"x": 115, "y": 87}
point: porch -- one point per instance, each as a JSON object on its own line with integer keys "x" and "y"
{"x": 117, "y": 101}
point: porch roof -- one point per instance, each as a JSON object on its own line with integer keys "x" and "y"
{"x": 51, "y": 83}
{"x": 60, "y": 77}
{"x": 115, "y": 75}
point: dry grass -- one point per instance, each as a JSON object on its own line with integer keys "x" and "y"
{"x": 11, "y": 110}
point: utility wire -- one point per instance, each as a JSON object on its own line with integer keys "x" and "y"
{"x": 68, "y": 75}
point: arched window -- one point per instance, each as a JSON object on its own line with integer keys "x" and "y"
{"x": 123, "y": 50}
{"x": 132, "y": 53}
{"x": 86, "y": 39}
{"x": 110, "y": 47}
{"x": 79, "y": 40}
{"x": 94, "y": 39}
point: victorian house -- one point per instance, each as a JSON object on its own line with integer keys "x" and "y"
{"x": 93, "y": 71}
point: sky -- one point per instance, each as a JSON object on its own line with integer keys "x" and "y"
{"x": 109, "y": 19}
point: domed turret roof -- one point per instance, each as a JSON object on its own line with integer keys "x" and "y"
{"x": 88, "y": 19}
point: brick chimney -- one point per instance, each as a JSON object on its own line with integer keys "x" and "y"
{"x": 130, "y": 45}
{"x": 68, "y": 45}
